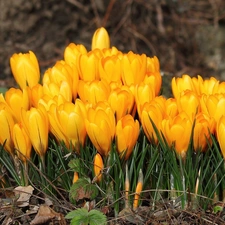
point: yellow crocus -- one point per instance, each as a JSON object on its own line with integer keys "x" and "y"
{"x": 180, "y": 84}
{"x": 61, "y": 71}
{"x": 144, "y": 93}
{"x": 100, "y": 125}
{"x": 22, "y": 142}
{"x": 127, "y": 131}
{"x": 204, "y": 126}
{"x": 16, "y": 100}
{"x": 100, "y": 39}
{"x": 6, "y": 126}
{"x": 36, "y": 93}
{"x": 87, "y": 65}
{"x": 64, "y": 89}
{"x": 133, "y": 68}
{"x": 153, "y": 75}
{"x": 72, "y": 52}
{"x": 93, "y": 92}
{"x": 54, "y": 125}
{"x": 121, "y": 101}
{"x": 98, "y": 167}
{"x": 35, "y": 122}
{"x": 213, "y": 105}
{"x": 71, "y": 118}
{"x": 220, "y": 133}
{"x": 110, "y": 68}
{"x": 188, "y": 102}
{"x": 25, "y": 69}
{"x": 151, "y": 112}
{"x": 177, "y": 132}
{"x": 171, "y": 108}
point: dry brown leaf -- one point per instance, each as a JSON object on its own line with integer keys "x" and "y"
{"x": 24, "y": 195}
{"x": 46, "y": 214}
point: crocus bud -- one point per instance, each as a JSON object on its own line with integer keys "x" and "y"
{"x": 22, "y": 142}
{"x": 138, "y": 190}
{"x": 98, "y": 167}
{"x": 25, "y": 69}
{"x": 100, "y": 39}
{"x": 36, "y": 124}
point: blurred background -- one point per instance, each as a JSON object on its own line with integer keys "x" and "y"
{"x": 187, "y": 36}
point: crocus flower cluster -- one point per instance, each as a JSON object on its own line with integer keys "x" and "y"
{"x": 99, "y": 94}
{"x": 92, "y": 93}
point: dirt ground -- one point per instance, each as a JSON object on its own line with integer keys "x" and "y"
{"x": 187, "y": 36}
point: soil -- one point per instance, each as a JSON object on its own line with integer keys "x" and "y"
{"x": 186, "y": 36}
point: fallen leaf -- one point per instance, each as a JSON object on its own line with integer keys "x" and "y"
{"x": 46, "y": 214}
{"x": 24, "y": 195}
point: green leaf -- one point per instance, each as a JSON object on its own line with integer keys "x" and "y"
{"x": 96, "y": 217}
{"x": 83, "y": 217}
{"x": 74, "y": 164}
{"x": 83, "y": 189}
{"x": 217, "y": 209}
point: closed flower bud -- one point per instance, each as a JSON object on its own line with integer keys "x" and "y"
{"x": 177, "y": 132}
{"x": 133, "y": 68}
{"x": 98, "y": 167}
{"x": 16, "y": 100}
{"x": 220, "y": 132}
{"x": 127, "y": 131}
{"x": 100, "y": 39}
{"x": 22, "y": 142}
{"x": 35, "y": 122}
{"x": 100, "y": 125}
{"x": 25, "y": 69}
{"x": 6, "y": 127}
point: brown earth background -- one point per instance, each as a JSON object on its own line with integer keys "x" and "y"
{"x": 187, "y": 36}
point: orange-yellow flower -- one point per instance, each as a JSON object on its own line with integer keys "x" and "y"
{"x": 153, "y": 75}
{"x": 87, "y": 65}
{"x": 110, "y": 68}
{"x": 133, "y": 68}
{"x": 171, "y": 108}
{"x": 98, "y": 167}
{"x": 93, "y": 92}
{"x": 35, "y": 122}
{"x": 36, "y": 94}
{"x": 220, "y": 132}
{"x": 204, "y": 126}
{"x": 188, "y": 102}
{"x": 127, "y": 131}
{"x": 16, "y": 100}
{"x": 155, "y": 112}
{"x": 61, "y": 71}
{"x": 6, "y": 127}
{"x": 71, "y": 120}
{"x": 54, "y": 125}
{"x": 72, "y": 52}
{"x": 144, "y": 93}
{"x": 121, "y": 101}
{"x": 181, "y": 84}
{"x": 177, "y": 132}
{"x": 25, "y": 69}
{"x": 22, "y": 142}
{"x": 63, "y": 89}
{"x": 100, "y": 125}
{"x": 100, "y": 39}
{"x": 213, "y": 105}
{"x": 208, "y": 86}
